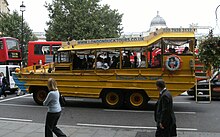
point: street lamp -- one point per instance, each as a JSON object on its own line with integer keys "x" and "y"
{"x": 22, "y": 9}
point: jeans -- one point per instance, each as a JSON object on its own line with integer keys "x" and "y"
{"x": 51, "y": 125}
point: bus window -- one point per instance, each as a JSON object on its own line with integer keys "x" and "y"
{"x": 154, "y": 56}
{"x": 177, "y": 47}
{"x": 64, "y": 57}
{"x": 107, "y": 59}
{"x": 1, "y": 44}
{"x": 126, "y": 60}
{"x": 12, "y": 44}
{"x": 54, "y": 49}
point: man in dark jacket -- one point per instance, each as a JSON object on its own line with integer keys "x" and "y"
{"x": 4, "y": 85}
{"x": 164, "y": 114}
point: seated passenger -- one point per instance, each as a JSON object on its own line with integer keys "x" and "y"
{"x": 99, "y": 62}
{"x": 114, "y": 62}
{"x": 143, "y": 62}
{"x": 126, "y": 62}
{"x": 187, "y": 51}
{"x": 105, "y": 64}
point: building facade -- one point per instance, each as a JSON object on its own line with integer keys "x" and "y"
{"x": 4, "y": 6}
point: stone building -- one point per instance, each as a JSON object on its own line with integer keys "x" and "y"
{"x": 4, "y": 6}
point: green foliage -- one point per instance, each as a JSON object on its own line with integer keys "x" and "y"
{"x": 10, "y": 26}
{"x": 82, "y": 19}
{"x": 209, "y": 51}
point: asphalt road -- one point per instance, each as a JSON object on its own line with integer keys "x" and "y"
{"x": 90, "y": 112}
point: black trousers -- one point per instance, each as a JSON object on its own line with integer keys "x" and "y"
{"x": 162, "y": 132}
{"x": 51, "y": 125}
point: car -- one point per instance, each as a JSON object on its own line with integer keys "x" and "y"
{"x": 204, "y": 84}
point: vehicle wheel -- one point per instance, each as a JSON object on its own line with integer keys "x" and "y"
{"x": 40, "y": 95}
{"x": 112, "y": 99}
{"x": 136, "y": 100}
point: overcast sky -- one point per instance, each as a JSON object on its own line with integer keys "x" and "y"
{"x": 137, "y": 13}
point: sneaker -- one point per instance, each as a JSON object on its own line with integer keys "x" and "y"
{"x": 1, "y": 97}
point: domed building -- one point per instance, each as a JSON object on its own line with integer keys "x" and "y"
{"x": 157, "y": 23}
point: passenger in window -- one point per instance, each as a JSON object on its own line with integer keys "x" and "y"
{"x": 105, "y": 64}
{"x": 74, "y": 61}
{"x": 172, "y": 50}
{"x": 157, "y": 61}
{"x": 114, "y": 62}
{"x": 99, "y": 62}
{"x": 90, "y": 62}
{"x": 187, "y": 51}
{"x": 84, "y": 63}
{"x": 135, "y": 64}
{"x": 143, "y": 62}
{"x": 126, "y": 62}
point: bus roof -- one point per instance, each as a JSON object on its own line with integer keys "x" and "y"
{"x": 10, "y": 66}
{"x": 45, "y": 42}
{"x": 172, "y": 33}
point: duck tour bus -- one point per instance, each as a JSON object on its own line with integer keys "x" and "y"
{"x": 119, "y": 71}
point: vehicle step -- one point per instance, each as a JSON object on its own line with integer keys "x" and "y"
{"x": 202, "y": 89}
{"x": 203, "y": 95}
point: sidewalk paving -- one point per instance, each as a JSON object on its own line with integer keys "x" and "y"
{"x": 28, "y": 129}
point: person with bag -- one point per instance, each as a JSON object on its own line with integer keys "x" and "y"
{"x": 164, "y": 114}
{"x": 4, "y": 84}
{"x": 54, "y": 110}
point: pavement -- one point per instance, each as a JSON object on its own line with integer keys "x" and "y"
{"x": 29, "y": 129}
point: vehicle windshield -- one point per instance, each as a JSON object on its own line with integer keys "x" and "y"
{"x": 12, "y": 44}
{"x": 214, "y": 75}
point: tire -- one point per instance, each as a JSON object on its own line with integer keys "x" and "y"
{"x": 40, "y": 95}
{"x": 112, "y": 99}
{"x": 136, "y": 100}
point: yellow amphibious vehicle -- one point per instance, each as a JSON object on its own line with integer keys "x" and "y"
{"x": 120, "y": 71}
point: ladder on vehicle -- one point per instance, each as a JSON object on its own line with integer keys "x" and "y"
{"x": 203, "y": 93}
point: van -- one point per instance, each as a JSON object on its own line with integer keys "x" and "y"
{"x": 8, "y": 70}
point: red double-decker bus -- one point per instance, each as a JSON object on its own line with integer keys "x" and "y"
{"x": 10, "y": 52}
{"x": 41, "y": 52}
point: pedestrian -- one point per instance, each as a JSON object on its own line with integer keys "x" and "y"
{"x": 4, "y": 85}
{"x": 54, "y": 110}
{"x": 164, "y": 114}
{"x": 1, "y": 77}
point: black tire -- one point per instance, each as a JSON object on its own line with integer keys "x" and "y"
{"x": 40, "y": 95}
{"x": 112, "y": 99}
{"x": 136, "y": 100}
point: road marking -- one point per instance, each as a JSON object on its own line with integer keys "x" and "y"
{"x": 130, "y": 127}
{"x": 136, "y": 111}
{"x": 175, "y": 102}
{"x": 15, "y": 119}
{"x": 7, "y": 99}
{"x": 16, "y": 105}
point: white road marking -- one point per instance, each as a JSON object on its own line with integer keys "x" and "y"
{"x": 130, "y": 127}
{"x": 136, "y": 111}
{"x": 15, "y": 119}
{"x": 16, "y": 105}
{"x": 7, "y": 99}
{"x": 175, "y": 102}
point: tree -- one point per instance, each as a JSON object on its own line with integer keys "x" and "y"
{"x": 10, "y": 26}
{"x": 82, "y": 19}
{"x": 209, "y": 51}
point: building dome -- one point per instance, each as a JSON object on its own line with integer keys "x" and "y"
{"x": 157, "y": 23}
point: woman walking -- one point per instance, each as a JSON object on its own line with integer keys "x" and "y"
{"x": 54, "y": 110}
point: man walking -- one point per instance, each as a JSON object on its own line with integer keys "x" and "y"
{"x": 164, "y": 114}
